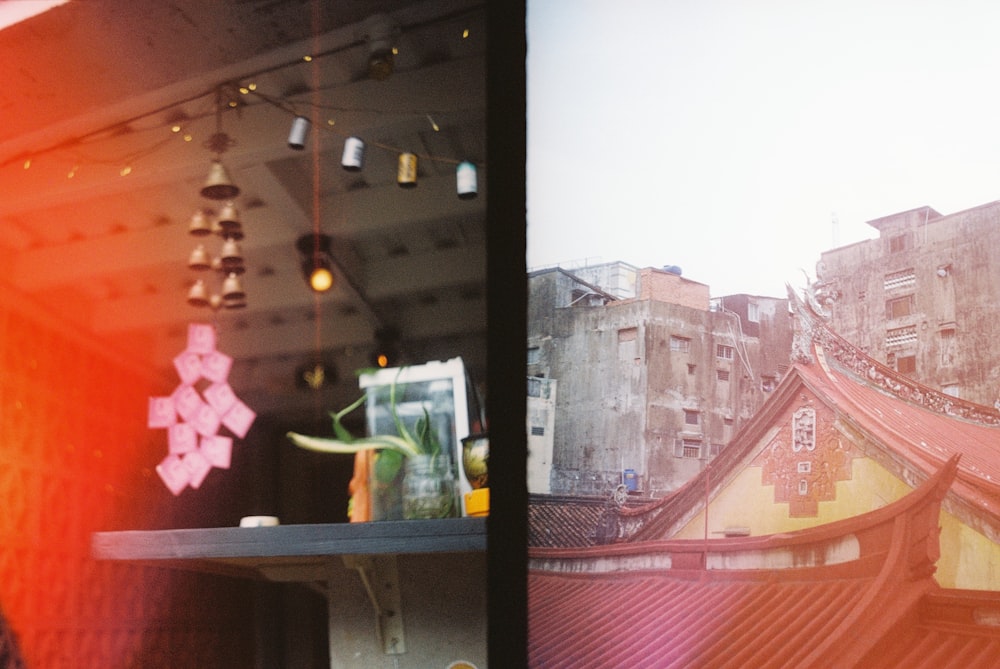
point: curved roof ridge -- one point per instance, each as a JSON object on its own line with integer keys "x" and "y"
{"x": 812, "y": 329}
{"x": 694, "y": 553}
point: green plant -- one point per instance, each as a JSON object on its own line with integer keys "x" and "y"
{"x": 392, "y": 448}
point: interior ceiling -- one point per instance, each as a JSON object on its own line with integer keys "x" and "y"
{"x": 97, "y": 190}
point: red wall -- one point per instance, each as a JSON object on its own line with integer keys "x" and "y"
{"x": 76, "y": 457}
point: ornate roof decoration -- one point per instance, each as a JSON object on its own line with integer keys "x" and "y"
{"x": 811, "y": 329}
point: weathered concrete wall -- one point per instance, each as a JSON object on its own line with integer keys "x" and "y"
{"x": 941, "y": 275}
{"x": 639, "y": 377}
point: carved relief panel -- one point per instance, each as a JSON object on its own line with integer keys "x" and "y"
{"x": 804, "y": 461}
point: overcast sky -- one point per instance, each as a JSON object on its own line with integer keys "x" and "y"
{"x": 738, "y": 139}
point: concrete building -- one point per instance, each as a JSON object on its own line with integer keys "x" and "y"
{"x": 853, "y": 522}
{"x": 652, "y": 383}
{"x": 923, "y": 297}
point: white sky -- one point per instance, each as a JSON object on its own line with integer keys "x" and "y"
{"x": 726, "y": 136}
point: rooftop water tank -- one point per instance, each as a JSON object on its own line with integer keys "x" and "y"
{"x": 673, "y": 269}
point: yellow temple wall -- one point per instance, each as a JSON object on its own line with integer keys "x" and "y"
{"x": 968, "y": 560}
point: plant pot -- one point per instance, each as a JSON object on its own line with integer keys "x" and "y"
{"x": 429, "y": 487}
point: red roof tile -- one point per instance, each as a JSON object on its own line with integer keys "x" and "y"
{"x": 649, "y": 604}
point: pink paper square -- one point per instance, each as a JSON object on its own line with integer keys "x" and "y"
{"x": 215, "y": 366}
{"x": 187, "y": 402}
{"x": 201, "y": 338}
{"x": 218, "y": 450}
{"x": 221, "y": 397}
{"x": 206, "y": 421}
{"x": 239, "y": 419}
{"x": 173, "y": 473}
{"x": 182, "y": 439}
{"x": 198, "y": 467}
{"x": 188, "y": 366}
{"x": 161, "y": 412}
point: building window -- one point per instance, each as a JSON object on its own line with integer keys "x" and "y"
{"x": 753, "y": 312}
{"x": 724, "y": 352}
{"x": 680, "y": 344}
{"x": 899, "y": 243}
{"x": 906, "y": 364}
{"x": 688, "y": 448}
{"x": 903, "y": 279}
{"x": 715, "y": 449}
{"x": 691, "y": 368}
{"x": 728, "y": 420}
{"x": 901, "y": 336}
{"x": 722, "y": 374}
{"x": 690, "y": 417}
{"x": 898, "y": 307}
{"x": 768, "y": 382}
{"x": 947, "y": 347}
{"x": 537, "y": 431}
{"x": 534, "y": 355}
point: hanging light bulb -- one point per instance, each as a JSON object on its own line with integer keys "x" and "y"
{"x": 321, "y": 277}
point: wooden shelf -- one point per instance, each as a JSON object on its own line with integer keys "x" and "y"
{"x": 287, "y": 552}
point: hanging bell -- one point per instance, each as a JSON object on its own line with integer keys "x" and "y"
{"x": 231, "y": 256}
{"x": 232, "y": 289}
{"x": 229, "y": 218}
{"x": 199, "y": 259}
{"x": 234, "y": 303}
{"x": 198, "y": 295}
{"x": 199, "y": 225}
{"x": 235, "y": 232}
{"x": 218, "y": 185}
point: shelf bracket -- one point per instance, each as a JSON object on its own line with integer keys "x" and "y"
{"x": 380, "y": 577}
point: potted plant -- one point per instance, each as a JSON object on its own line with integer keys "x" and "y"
{"x": 401, "y": 475}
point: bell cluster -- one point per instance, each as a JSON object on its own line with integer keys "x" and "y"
{"x": 227, "y": 265}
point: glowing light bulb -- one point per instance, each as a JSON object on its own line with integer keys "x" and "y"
{"x": 321, "y": 279}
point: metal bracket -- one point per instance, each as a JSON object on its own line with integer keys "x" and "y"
{"x": 380, "y": 577}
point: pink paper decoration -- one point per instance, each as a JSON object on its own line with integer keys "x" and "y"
{"x": 161, "y": 412}
{"x": 187, "y": 401}
{"x": 218, "y": 450}
{"x": 193, "y": 443}
{"x": 201, "y": 338}
{"x": 221, "y": 397}
{"x": 206, "y": 421}
{"x": 188, "y": 366}
{"x": 198, "y": 467}
{"x": 181, "y": 438}
{"x": 173, "y": 473}
{"x": 239, "y": 419}
{"x": 215, "y": 366}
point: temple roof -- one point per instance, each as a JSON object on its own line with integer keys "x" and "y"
{"x": 857, "y": 592}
